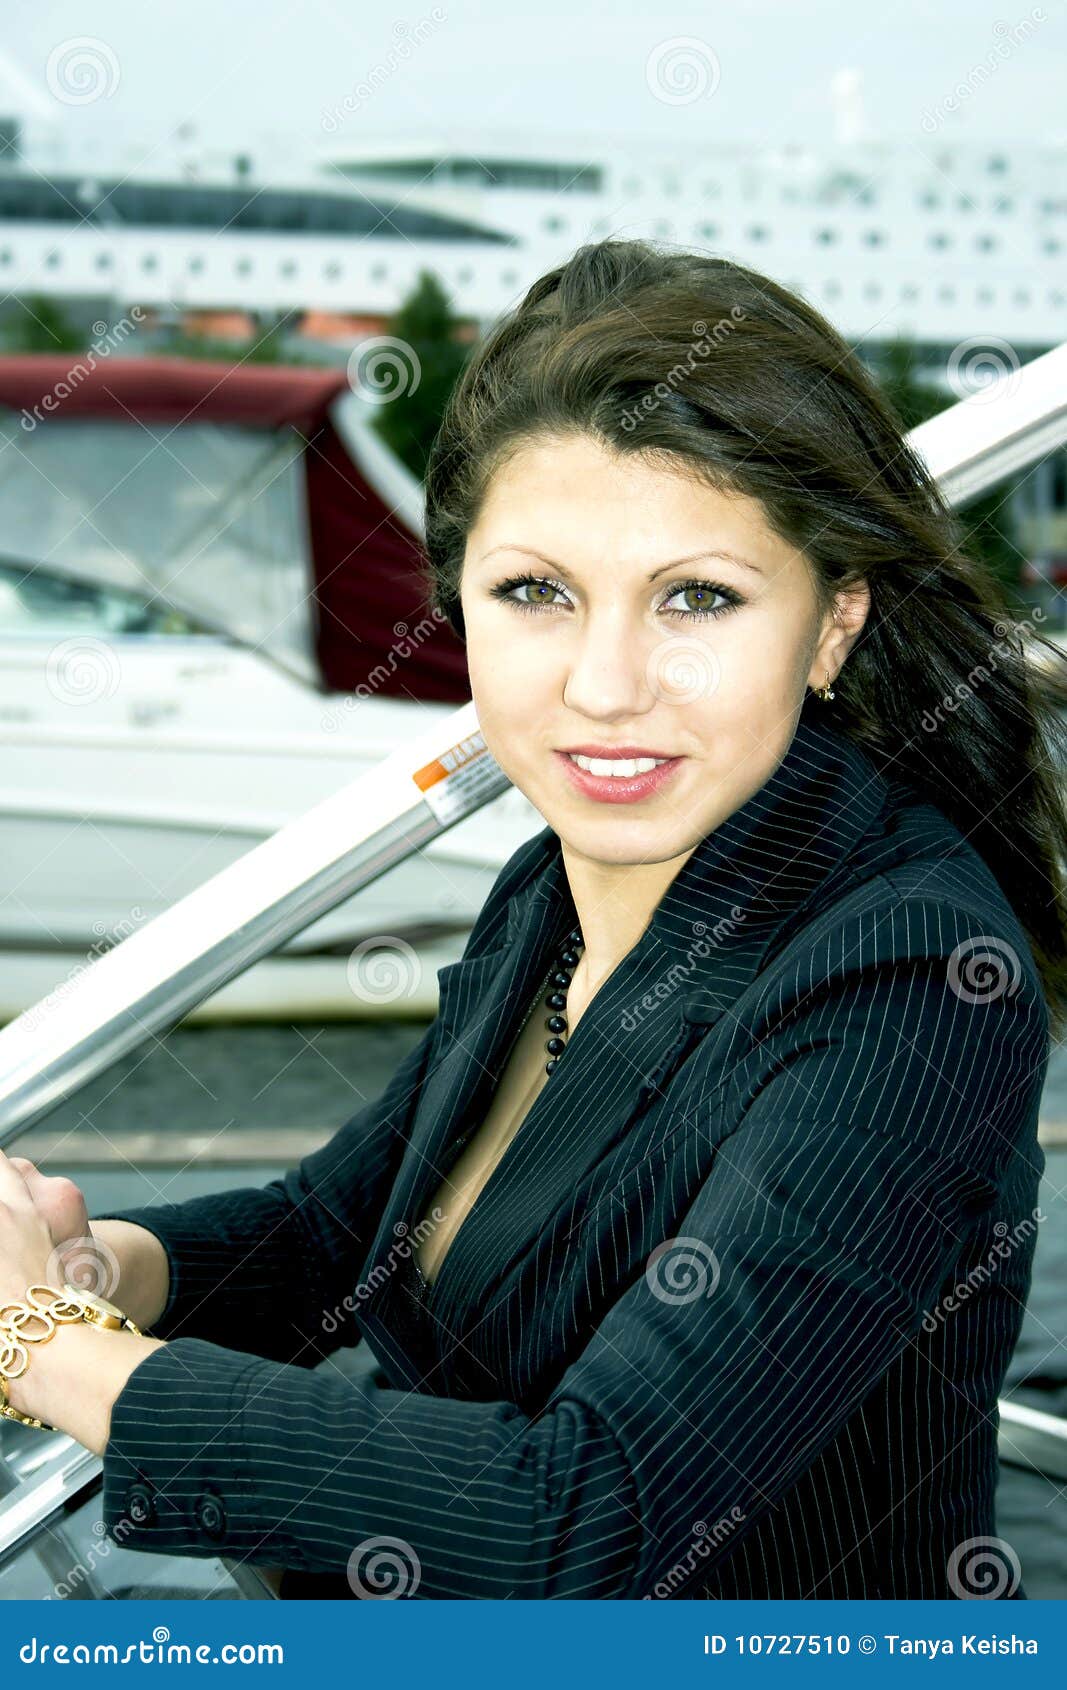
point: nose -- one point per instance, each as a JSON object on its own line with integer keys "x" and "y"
{"x": 607, "y": 669}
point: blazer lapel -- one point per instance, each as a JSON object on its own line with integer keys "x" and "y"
{"x": 481, "y": 1000}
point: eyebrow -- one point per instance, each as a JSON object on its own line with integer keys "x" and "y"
{"x": 716, "y": 556}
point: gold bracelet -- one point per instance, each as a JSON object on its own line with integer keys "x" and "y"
{"x": 68, "y": 1305}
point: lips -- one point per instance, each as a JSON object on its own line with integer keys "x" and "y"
{"x": 618, "y": 779}
{"x": 613, "y": 753}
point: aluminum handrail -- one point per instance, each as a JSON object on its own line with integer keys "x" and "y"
{"x": 1032, "y": 1439}
{"x": 155, "y": 975}
{"x": 998, "y": 430}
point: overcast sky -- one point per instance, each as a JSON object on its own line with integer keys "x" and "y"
{"x": 249, "y": 73}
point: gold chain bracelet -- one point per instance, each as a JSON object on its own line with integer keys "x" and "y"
{"x": 17, "y": 1320}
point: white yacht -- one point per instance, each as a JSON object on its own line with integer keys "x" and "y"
{"x": 230, "y": 634}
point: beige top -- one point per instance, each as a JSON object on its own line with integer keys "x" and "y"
{"x": 520, "y": 1082}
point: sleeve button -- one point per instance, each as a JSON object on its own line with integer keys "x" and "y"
{"x": 140, "y": 1506}
{"x": 211, "y": 1515}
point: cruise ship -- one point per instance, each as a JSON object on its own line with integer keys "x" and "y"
{"x": 936, "y": 240}
{"x": 957, "y": 246}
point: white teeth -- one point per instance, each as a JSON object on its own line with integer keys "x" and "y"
{"x": 625, "y": 766}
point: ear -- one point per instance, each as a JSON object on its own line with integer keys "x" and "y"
{"x": 841, "y": 629}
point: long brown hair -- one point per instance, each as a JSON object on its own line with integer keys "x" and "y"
{"x": 667, "y": 352}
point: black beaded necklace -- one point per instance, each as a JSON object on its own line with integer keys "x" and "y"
{"x": 554, "y": 989}
{"x": 559, "y": 978}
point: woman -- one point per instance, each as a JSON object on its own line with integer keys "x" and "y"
{"x": 667, "y": 1234}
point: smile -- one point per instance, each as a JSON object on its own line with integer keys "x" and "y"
{"x": 624, "y": 767}
{"x": 617, "y": 780}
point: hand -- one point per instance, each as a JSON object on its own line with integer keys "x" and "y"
{"x": 74, "y": 1377}
{"x": 63, "y": 1206}
{"x": 27, "y": 1254}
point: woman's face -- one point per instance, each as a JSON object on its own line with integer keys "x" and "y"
{"x": 605, "y": 620}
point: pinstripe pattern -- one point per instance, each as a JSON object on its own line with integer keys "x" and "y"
{"x": 678, "y": 1346}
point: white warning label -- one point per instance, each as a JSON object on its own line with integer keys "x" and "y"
{"x": 464, "y": 776}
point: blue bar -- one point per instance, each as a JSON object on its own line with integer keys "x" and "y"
{"x": 502, "y": 1646}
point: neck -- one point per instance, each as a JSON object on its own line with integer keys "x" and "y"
{"x": 614, "y": 903}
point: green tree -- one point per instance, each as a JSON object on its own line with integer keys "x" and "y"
{"x": 425, "y": 367}
{"x": 37, "y": 323}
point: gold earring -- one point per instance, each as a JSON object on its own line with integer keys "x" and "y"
{"x": 825, "y": 692}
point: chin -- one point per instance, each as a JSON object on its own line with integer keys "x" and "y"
{"x": 623, "y": 843}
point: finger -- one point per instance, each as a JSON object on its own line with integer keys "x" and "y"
{"x": 13, "y": 1188}
{"x": 36, "y": 1181}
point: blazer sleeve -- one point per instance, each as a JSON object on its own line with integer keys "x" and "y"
{"x": 887, "y": 1104}
{"x": 267, "y": 1269}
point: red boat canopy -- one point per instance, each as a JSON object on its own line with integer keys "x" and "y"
{"x": 254, "y": 498}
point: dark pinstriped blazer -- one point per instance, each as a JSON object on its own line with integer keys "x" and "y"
{"x": 731, "y": 1316}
